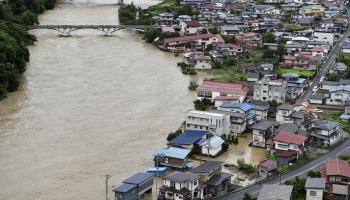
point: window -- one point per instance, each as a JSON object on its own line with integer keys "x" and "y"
{"x": 195, "y": 126}
{"x": 312, "y": 193}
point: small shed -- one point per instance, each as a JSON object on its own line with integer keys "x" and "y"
{"x": 267, "y": 167}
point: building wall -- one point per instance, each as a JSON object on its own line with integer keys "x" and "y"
{"x": 212, "y": 151}
{"x": 202, "y": 64}
{"x": 318, "y": 194}
{"x": 265, "y": 91}
{"x": 282, "y": 116}
{"x": 323, "y": 36}
{"x": 130, "y": 195}
{"x": 258, "y": 139}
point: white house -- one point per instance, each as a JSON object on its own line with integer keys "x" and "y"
{"x": 212, "y": 89}
{"x": 260, "y": 110}
{"x": 191, "y": 27}
{"x": 270, "y": 90}
{"x": 200, "y": 62}
{"x": 324, "y": 132}
{"x": 216, "y": 123}
{"x": 261, "y": 132}
{"x": 177, "y": 182}
{"x": 212, "y": 146}
{"x": 283, "y": 113}
{"x": 338, "y": 95}
{"x": 324, "y": 36}
{"x": 315, "y": 187}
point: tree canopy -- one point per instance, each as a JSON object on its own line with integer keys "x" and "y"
{"x": 15, "y": 15}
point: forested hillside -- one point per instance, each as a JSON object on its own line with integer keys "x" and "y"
{"x": 15, "y": 15}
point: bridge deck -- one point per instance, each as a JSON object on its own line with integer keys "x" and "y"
{"x": 87, "y": 26}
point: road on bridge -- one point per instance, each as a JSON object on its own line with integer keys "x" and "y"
{"x": 255, "y": 189}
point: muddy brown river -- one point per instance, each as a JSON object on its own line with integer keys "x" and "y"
{"x": 89, "y": 105}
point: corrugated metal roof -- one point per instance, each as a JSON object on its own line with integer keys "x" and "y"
{"x": 214, "y": 142}
{"x": 124, "y": 187}
{"x": 316, "y": 183}
{"x": 172, "y": 152}
{"x": 270, "y": 192}
{"x": 263, "y": 125}
{"x": 188, "y": 137}
{"x": 207, "y": 167}
{"x": 138, "y": 178}
{"x": 243, "y": 106}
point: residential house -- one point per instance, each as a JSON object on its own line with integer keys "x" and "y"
{"x": 339, "y": 69}
{"x": 324, "y": 132}
{"x": 315, "y": 187}
{"x": 337, "y": 175}
{"x": 324, "y": 36}
{"x": 200, "y": 41}
{"x": 191, "y": 27}
{"x": 338, "y": 95}
{"x": 199, "y": 61}
{"x": 288, "y": 147}
{"x": 327, "y": 85}
{"x": 274, "y": 1}
{"x": 173, "y": 157}
{"x": 288, "y": 127}
{"x": 134, "y": 187}
{"x": 212, "y": 146}
{"x": 262, "y": 131}
{"x": 165, "y": 18}
{"x": 181, "y": 185}
{"x": 226, "y": 50}
{"x": 347, "y": 107}
{"x": 240, "y": 116}
{"x": 270, "y": 90}
{"x": 294, "y": 85}
{"x": 219, "y": 184}
{"x": 207, "y": 170}
{"x": 316, "y": 98}
{"x": 249, "y": 40}
{"x": 283, "y": 113}
{"x": 274, "y": 192}
{"x": 194, "y": 2}
{"x": 189, "y": 139}
{"x": 346, "y": 46}
{"x": 267, "y": 168}
{"x": 229, "y": 30}
{"x": 213, "y": 89}
{"x": 299, "y": 61}
{"x": 312, "y": 10}
{"x": 260, "y": 110}
{"x": 215, "y": 123}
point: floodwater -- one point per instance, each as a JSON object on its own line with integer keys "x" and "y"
{"x": 89, "y": 105}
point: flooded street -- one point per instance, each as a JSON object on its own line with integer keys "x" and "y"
{"x": 89, "y": 105}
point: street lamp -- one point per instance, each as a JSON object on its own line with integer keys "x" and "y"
{"x": 107, "y": 178}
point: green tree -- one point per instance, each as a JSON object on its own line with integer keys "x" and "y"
{"x": 202, "y": 104}
{"x": 247, "y": 196}
{"x": 268, "y": 37}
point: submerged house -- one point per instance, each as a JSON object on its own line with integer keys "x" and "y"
{"x": 189, "y": 139}
{"x": 262, "y": 131}
{"x": 176, "y": 158}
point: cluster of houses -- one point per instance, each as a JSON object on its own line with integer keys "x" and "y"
{"x": 333, "y": 184}
{"x": 286, "y": 134}
{"x": 257, "y": 106}
{"x": 319, "y": 26}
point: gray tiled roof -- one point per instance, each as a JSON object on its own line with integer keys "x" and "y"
{"x": 138, "y": 178}
{"x": 275, "y": 192}
{"x": 207, "y": 167}
{"x": 315, "y": 183}
{"x": 218, "y": 178}
{"x": 317, "y": 97}
{"x": 288, "y": 127}
{"x": 325, "y": 124}
{"x": 263, "y": 125}
{"x": 285, "y": 107}
{"x": 182, "y": 177}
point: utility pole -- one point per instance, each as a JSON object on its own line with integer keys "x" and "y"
{"x": 107, "y": 178}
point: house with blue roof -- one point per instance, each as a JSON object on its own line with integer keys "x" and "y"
{"x": 173, "y": 157}
{"x": 240, "y": 116}
{"x": 190, "y": 139}
{"x": 134, "y": 187}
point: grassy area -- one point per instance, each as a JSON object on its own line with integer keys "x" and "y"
{"x": 335, "y": 117}
{"x": 229, "y": 74}
{"x": 161, "y": 5}
{"x": 292, "y": 27}
{"x": 303, "y": 73}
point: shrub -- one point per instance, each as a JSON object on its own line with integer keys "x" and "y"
{"x": 202, "y": 104}
{"x": 172, "y": 135}
{"x": 244, "y": 167}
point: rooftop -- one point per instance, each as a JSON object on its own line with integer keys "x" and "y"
{"x": 315, "y": 183}
{"x": 243, "y": 106}
{"x": 335, "y": 166}
{"x": 218, "y": 178}
{"x": 285, "y": 107}
{"x": 172, "y": 152}
{"x": 138, "y": 178}
{"x": 224, "y": 87}
{"x": 325, "y": 124}
{"x": 188, "y": 38}
{"x": 268, "y": 164}
{"x": 263, "y": 125}
{"x": 182, "y": 177}
{"x": 207, "y": 167}
{"x": 188, "y": 137}
{"x": 275, "y": 192}
{"x": 289, "y": 138}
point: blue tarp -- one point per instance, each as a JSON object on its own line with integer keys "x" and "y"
{"x": 345, "y": 116}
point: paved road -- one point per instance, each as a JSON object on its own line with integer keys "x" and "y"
{"x": 255, "y": 189}
{"x": 327, "y": 64}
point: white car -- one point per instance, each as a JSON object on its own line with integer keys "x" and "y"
{"x": 314, "y": 89}
{"x": 322, "y": 79}
{"x": 318, "y": 110}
